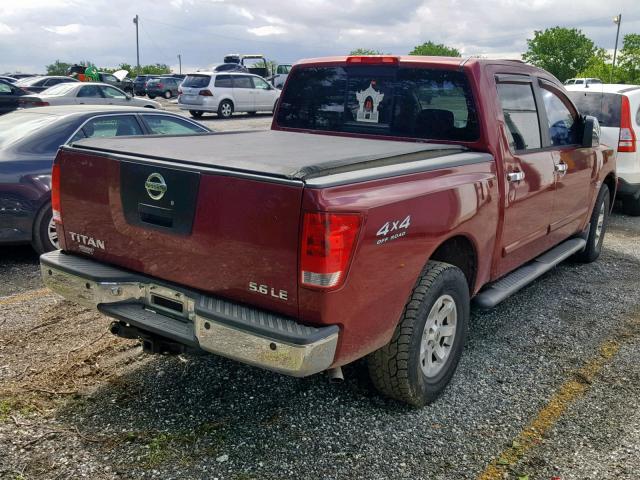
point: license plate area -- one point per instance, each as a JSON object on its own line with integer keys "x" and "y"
{"x": 167, "y": 301}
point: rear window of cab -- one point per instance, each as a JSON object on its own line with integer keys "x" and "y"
{"x": 605, "y": 107}
{"x": 424, "y": 103}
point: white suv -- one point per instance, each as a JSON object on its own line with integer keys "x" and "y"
{"x": 225, "y": 93}
{"x": 617, "y": 108}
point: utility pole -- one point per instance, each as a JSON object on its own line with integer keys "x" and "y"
{"x": 617, "y": 20}
{"x": 135, "y": 20}
{"x": 180, "y": 63}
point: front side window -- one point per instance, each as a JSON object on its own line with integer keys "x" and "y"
{"x": 260, "y": 84}
{"x": 114, "y": 126}
{"x": 163, "y": 125}
{"x": 385, "y": 100}
{"x": 520, "y": 115}
{"x": 110, "y": 92}
{"x": 5, "y": 89}
{"x": 562, "y": 120}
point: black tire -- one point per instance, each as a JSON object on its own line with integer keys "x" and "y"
{"x": 196, "y": 113}
{"x": 596, "y": 238}
{"x": 396, "y": 369}
{"x": 631, "y": 206}
{"x": 168, "y": 94}
{"x": 224, "y": 112}
{"x": 151, "y": 96}
{"x": 41, "y": 241}
{"x": 252, "y": 114}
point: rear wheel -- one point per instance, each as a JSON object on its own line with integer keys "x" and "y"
{"x": 167, "y": 94}
{"x": 45, "y": 235}
{"x": 597, "y": 227}
{"x": 196, "y": 113}
{"x": 151, "y": 96}
{"x": 423, "y": 354}
{"x": 225, "y": 109}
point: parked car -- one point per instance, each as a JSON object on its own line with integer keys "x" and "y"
{"x": 117, "y": 79}
{"x": 227, "y": 67}
{"x": 226, "y": 93}
{"x": 40, "y": 84}
{"x": 140, "y": 84}
{"x": 85, "y": 93}
{"x": 166, "y": 87}
{"x": 282, "y": 72}
{"x": 617, "y": 108}
{"x": 8, "y": 79}
{"x": 29, "y": 140}
{"x": 10, "y": 95}
{"x": 582, "y": 81}
{"x": 19, "y": 76}
{"x": 389, "y": 191}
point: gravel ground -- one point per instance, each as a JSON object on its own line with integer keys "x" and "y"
{"x": 75, "y": 402}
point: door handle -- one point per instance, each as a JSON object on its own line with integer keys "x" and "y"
{"x": 515, "y": 176}
{"x": 561, "y": 168}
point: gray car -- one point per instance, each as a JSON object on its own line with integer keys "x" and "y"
{"x": 29, "y": 140}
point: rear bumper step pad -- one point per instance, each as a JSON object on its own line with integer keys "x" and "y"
{"x": 213, "y": 324}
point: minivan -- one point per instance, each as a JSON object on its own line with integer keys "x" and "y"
{"x": 226, "y": 93}
{"x": 617, "y": 108}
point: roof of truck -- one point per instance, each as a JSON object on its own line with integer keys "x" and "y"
{"x": 288, "y": 155}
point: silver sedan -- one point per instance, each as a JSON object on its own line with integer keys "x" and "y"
{"x": 84, "y": 93}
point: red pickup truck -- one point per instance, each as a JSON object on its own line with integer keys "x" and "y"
{"x": 389, "y": 193}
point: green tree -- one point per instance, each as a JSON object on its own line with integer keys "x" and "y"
{"x": 435, "y": 49}
{"x": 561, "y": 51}
{"x": 365, "y": 51}
{"x": 628, "y": 63}
{"x": 58, "y": 68}
{"x": 599, "y": 66}
{"x": 155, "y": 69}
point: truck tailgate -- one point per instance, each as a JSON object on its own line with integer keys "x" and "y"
{"x": 197, "y": 227}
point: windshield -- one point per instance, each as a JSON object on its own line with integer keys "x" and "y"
{"x": 381, "y": 100}
{"x": 20, "y": 125}
{"x": 60, "y": 89}
{"x": 196, "y": 81}
{"x": 283, "y": 69}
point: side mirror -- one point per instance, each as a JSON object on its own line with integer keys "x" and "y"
{"x": 590, "y": 131}
{"x": 128, "y": 96}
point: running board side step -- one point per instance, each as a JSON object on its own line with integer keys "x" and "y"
{"x": 498, "y": 291}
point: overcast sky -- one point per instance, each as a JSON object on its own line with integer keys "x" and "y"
{"x": 34, "y": 33}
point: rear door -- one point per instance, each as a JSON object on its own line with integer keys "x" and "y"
{"x": 529, "y": 171}
{"x": 243, "y": 93}
{"x": 573, "y": 164}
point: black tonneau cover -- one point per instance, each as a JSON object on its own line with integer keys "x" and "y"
{"x": 294, "y": 156}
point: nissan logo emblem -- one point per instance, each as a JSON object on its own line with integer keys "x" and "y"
{"x": 155, "y": 186}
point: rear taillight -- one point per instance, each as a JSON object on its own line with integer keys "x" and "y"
{"x": 160, "y": 85}
{"x": 55, "y": 192}
{"x": 26, "y": 103}
{"x": 327, "y": 244}
{"x": 205, "y": 93}
{"x": 627, "y": 139}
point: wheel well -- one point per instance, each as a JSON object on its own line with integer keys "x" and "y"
{"x": 610, "y": 182}
{"x": 459, "y": 251}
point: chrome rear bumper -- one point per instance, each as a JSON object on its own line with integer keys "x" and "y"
{"x": 215, "y": 325}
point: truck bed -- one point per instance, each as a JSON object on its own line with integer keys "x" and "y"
{"x": 272, "y": 153}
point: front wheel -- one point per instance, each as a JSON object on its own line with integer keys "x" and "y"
{"x": 45, "y": 235}
{"x": 225, "y": 109}
{"x": 423, "y": 354}
{"x": 597, "y": 227}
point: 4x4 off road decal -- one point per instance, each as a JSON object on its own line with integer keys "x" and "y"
{"x": 392, "y": 230}
{"x": 368, "y": 101}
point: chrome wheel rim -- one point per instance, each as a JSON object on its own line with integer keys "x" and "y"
{"x": 438, "y": 336}
{"x": 226, "y": 110}
{"x": 52, "y": 233}
{"x": 600, "y": 224}
{"x": 167, "y": 95}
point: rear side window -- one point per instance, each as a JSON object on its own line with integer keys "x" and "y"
{"x": 163, "y": 125}
{"x": 520, "y": 115}
{"x": 196, "y": 81}
{"x": 223, "y": 81}
{"x": 381, "y": 100}
{"x": 113, "y": 126}
{"x": 90, "y": 91}
{"x": 604, "y": 106}
{"x": 241, "y": 81}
